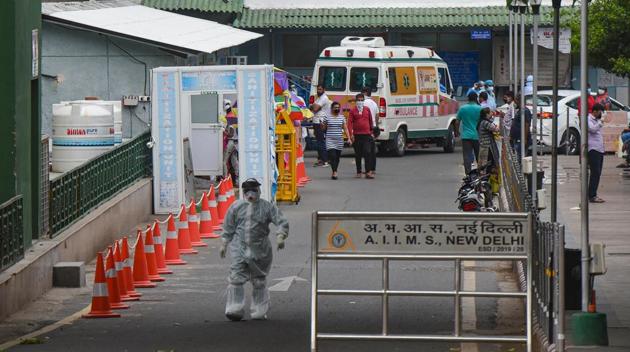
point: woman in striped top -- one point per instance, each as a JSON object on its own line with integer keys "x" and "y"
{"x": 335, "y": 126}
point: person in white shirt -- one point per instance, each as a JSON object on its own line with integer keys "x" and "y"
{"x": 321, "y": 109}
{"x": 371, "y": 104}
{"x": 529, "y": 85}
{"x": 508, "y": 97}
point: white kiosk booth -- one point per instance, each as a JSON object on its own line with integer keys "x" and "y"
{"x": 186, "y": 105}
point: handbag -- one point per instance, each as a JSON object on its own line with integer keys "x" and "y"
{"x": 376, "y": 131}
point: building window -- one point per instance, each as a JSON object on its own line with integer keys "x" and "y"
{"x": 332, "y": 78}
{"x": 445, "y": 82}
{"x": 300, "y": 50}
{"x": 363, "y": 77}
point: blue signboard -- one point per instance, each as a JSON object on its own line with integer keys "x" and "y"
{"x": 166, "y": 104}
{"x": 463, "y": 66}
{"x": 208, "y": 81}
{"x": 481, "y": 34}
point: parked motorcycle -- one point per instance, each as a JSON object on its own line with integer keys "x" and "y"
{"x": 475, "y": 193}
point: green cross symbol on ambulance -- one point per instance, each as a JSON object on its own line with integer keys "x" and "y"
{"x": 406, "y": 82}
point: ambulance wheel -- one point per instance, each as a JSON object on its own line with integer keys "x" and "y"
{"x": 449, "y": 140}
{"x": 399, "y": 143}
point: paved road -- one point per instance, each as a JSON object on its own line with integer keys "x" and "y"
{"x": 185, "y": 313}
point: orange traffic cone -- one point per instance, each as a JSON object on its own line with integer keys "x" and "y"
{"x": 159, "y": 250}
{"x": 121, "y": 275}
{"x": 183, "y": 234}
{"x": 301, "y": 178}
{"x": 140, "y": 269}
{"x": 112, "y": 282}
{"x": 223, "y": 205}
{"x": 214, "y": 212}
{"x": 205, "y": 225}
{"x": 193, "y": 225}
{"x": 171, "y": 256}
{"x": 149, "y": 252}
{"x": 127, "y": 265}
{"x": 100, "y": 300}
{"x": 230, "y": 192}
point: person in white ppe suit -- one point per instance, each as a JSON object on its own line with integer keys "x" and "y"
{"x": 246, "y": 231}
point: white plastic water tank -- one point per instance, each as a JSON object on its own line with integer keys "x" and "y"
{"x": 117, "y": 115}
{"x": 81, "y": 131}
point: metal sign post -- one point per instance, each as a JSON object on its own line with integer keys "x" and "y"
{"x": 415, "y": 236}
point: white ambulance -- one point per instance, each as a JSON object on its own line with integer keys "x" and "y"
{"x": 411, "y": 86}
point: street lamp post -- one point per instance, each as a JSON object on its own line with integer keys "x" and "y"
{"x": 554, "y": 112}
{"x": 522, "y": 9}
{"x": 586, "y": 258}
{"x": 510, "y": 45}
{"x": 515, "y": 44}
{"x": 535, "y": 4}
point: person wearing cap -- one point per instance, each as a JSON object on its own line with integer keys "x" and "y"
{"x": 492, "y": 100}
{"x": 246, "y": 231}
{"x": 476, "y": 88}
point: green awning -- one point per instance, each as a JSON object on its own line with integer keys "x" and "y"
{"x": 497, "y": 16}
{"x": 231, "y": 6}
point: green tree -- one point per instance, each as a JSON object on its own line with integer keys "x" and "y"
{"x": 608, "y": 35}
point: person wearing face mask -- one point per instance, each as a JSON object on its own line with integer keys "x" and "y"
{"x": 508, "y": 116}
{"x": 246, "y": 231}
{"x": 590, "y": 101}
{"x": 492, "y": 100}
{"x": 335, "y": 126}
{"x": 361, "y": 127}
{"x": 321, "y": 108}
{"x": 603, "y": 98}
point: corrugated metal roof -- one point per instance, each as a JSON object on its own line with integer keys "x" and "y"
{"x": 156, "y": 27}
{"x": 494, "y": 16}
{"x": 51, "y": 7}
{"x": 362, "y": 4}
{"x": 233, "y": 6}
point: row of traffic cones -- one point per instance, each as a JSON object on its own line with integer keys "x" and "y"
{"x": 118, "y": 275}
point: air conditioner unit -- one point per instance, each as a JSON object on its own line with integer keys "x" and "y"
{"x": 369, "y": 42}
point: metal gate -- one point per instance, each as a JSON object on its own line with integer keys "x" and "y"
{"x": 416, "y": 236}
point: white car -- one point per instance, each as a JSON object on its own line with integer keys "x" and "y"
{"x": 567, "y": 110}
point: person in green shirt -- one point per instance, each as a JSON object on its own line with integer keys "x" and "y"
{"x": 467, "y": 120}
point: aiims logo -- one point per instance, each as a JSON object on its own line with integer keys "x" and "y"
{"x": 339, "y": 240}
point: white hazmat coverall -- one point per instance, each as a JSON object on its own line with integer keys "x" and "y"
{"x": 246, "y": 229}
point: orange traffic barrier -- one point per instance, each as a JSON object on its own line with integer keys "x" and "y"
{"x": 100, "y": 299}
{"x": 159, "y": 250}
{"x": 140, "y": 269}
{"x": 205, "y": 225}
{"x": 171, "y": 255}
{"x": 112, "y": 282}
{"x": 127, "y": 265}
{"x": 149, "y": 252}
{"x": 183, "y": 234}
{"x": 223, "y": 201}
{"x": 214, "y": 212}
{"x": 193, "y": 226}
{"x": 121, "y": 275}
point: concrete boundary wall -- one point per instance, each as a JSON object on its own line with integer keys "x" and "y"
{"x": 32, "y": 276}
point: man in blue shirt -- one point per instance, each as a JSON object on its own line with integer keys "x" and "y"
{"x": 467, "y": 119}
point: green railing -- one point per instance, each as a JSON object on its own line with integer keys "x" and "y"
{"x": 11, "y": 232}
{"x": 80, "y": 190}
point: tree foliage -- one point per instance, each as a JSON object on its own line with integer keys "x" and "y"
{"x": 608, "y": 35}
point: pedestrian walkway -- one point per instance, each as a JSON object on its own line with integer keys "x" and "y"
{"x": 610, "y": 224}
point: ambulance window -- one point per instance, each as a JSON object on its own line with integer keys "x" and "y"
{"x": 333, "y": 78}
{"x": 363, "y": 77}
{"x": 402, "y": 81}
{"x": 445, "y": 83}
